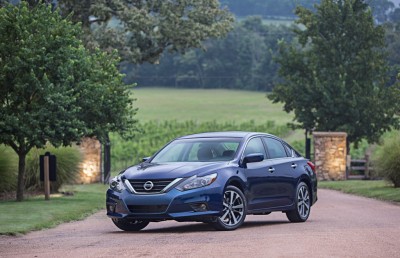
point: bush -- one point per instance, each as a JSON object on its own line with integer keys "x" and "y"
{"x": 387, "y": 161}
{"x": 68, "y": 167}
{"x": 8, "y": 169}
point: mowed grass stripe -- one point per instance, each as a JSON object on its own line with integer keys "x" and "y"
{"x": 202, "y": 105}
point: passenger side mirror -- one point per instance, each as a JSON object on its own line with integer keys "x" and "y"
{"x": 253, "y": 157}
{"x": 145, "y": 159}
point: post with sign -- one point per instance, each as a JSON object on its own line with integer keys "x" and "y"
{"x": 46, "y": 178}
{"x": 48, "y": 166}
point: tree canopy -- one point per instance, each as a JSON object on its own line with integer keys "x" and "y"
{"x": 242, "y": 60}
{"x": 53, "y": 90}
{"x": 267, "y": 8}
{"x": 335, "y": 79}
{"x": 142, "y": 30}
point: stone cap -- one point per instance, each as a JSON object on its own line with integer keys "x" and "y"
{"x": 330, "y": 134}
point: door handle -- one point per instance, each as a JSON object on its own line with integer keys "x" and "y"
{"x": 294, "y": 165}
{"x": 271, "y": 169}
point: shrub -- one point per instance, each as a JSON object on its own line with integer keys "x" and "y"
{"x": 387, "y": 161}
{"x": 8, "y": 169}
{"x": 68, "y": 166}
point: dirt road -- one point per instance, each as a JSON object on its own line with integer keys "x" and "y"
{"x": 340, "y": 225}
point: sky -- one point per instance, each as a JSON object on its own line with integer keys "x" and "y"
{"x": 396, "y": 2}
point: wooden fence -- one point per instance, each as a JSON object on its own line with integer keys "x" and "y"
{"x": 359, "y": 168}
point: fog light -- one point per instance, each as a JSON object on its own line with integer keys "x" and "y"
{"x": 199, "y": 206}
{"x": 111, "y": 208}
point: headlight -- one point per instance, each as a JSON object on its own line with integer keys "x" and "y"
{"x": 197, "y": 182}
{"x": 116, "y": 184}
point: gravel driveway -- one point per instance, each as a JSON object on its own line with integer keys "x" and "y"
{"x": 340, "y": 225}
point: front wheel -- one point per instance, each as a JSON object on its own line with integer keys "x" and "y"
{"x": 303, "y": 204}
{"x": 130, "y": 225}
{"x": 234, "y": 211}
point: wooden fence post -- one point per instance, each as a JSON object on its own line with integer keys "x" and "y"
{"x": 348, "y": 166}
{"x": 366, "y": 171}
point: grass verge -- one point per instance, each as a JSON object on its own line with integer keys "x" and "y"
{"x": 378, "y": 189}
{"x": 35, "y": 213}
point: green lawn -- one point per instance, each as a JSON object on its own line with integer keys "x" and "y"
{"x": 381, "y": 190}
{"x": 36, "y": 213}
{"x": 207, "y": 105}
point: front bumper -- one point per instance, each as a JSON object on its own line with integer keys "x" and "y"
{"x": 196, "y": 204}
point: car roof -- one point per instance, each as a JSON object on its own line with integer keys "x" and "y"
{"x": 231, "y": 134}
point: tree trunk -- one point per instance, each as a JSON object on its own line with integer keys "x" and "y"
{"x": 86, "y": 15}
{"x": 21, "y": 177}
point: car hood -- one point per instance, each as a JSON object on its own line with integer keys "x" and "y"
{"x": 172, "y": 170}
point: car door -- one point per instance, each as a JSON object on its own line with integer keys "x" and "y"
{"x": 260, "y": 185}
{"x": 284, "y": 177}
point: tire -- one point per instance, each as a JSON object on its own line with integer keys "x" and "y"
{"x": 234, "y": 212}
{"x": 130, "y": 225}
{"x": 302, "y": 203}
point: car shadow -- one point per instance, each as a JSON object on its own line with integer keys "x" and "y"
{"x": 199, "y": 227}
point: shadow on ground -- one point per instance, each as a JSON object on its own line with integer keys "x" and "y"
{"x": 197, "y": 227}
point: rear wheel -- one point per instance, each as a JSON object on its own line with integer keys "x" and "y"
{"x": 234, "y": 211}
{"x": 303, "y": 204}
{"x": 130, "y": 225}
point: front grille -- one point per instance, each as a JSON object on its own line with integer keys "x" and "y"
{"x": 147, "y": 208}
{"x": 158, "y": 185}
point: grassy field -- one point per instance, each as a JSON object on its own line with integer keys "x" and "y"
{"x": 35, "y": 213}
{"x": 207, "y": 105}
{"x": 380, "y": 190}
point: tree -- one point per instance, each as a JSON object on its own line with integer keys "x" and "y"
{"x": 334, "y": 80}
{"x": 142, "y": 30}
{"x": 267, "y": 8}
{"x": 244, "y": 59}
{"x": 53, "y": 90}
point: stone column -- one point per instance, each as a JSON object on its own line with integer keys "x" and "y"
{"x": 330, "y": 155}
{"x": 91, "y": 163}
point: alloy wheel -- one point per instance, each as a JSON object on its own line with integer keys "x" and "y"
{"x": 303, "y": 203}
{"x": 233, "y": 208}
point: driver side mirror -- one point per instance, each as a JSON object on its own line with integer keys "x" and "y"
{"x": 252, "y": 158}
{"x": 145, "y": 159}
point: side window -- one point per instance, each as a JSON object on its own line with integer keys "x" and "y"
{"x": 275, "y": 148}
{"x": 289, "y": 151}
{"x": 255, "y": 145}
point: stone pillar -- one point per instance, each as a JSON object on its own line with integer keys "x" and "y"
{"x": 91, "y": 163}
{"x": 330, "y": 155}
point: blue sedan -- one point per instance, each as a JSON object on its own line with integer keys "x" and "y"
{"x": 217, "y": 178}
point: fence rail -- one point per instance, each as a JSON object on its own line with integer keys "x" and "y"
{"x": 359, "y": 168}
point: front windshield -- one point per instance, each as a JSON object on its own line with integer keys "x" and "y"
{"x": 198, "y": 150}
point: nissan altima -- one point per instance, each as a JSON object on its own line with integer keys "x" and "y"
{"x": 216, "y": 178}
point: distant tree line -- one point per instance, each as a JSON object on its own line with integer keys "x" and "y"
{"x": 383, "y": 10}
{"x": 266, "y": 8}
{"x": 246, "y": 58}
{"x": 242, "y": 60}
